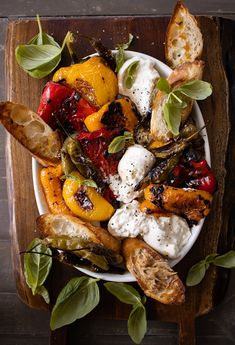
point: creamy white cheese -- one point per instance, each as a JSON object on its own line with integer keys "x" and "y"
{"x": 144, "y": 83}
{"x": 167, "y": 235}
{"x": 132, "y": 168}
{"x": 127, "y": 221}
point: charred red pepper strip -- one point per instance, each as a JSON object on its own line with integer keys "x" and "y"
{"x": 95, "y": 146}
{"x": 52, "y": 97}
{"x": 100, "y": 133}
{"x": 201, "y": 177}
{"x": 61, "y": 101}
{"x": 194, "y": 174}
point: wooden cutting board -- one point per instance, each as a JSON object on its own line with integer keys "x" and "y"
{"x": 150, "y": 35}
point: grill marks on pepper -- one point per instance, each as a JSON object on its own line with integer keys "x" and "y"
{"x": 83, "y": 199}
{"x": 117, "y": 120}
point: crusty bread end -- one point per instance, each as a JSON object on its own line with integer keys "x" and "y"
{"x": 184, "y": 40}
{"x": 32, "y": 132}
{"x": 152, "y": 272}
{"x": 65, "y": 225}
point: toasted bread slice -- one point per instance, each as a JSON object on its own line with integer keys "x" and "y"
{"x": 65, "y": 225}
{"x": 184, "y": 42}
{"x": 186, "y": 72}
{"x": 32, "y": 132}
{"x": 152, "y": 272}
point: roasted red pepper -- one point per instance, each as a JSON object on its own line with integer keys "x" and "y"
{"x": 60, "y": 102}
{"x": 100, "y": 133}
{"x": 95, "y": 146}
{"x": 201, "y": 177}
{"x": 52, "y": 97}
{"x": 194, "y": 174}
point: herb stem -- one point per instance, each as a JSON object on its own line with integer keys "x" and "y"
{"x": 176, "y": 97}
{"x": 68, "y": 42}
{"x": 39, "y": 26}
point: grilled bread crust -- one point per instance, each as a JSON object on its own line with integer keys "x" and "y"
{"x": 152, "y": 272}
{"x": 184, "y": 42}
{"x": 65, "y": 225}
{"x": 32, "y": 132}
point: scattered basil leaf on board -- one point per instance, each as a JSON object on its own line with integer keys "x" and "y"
{"x": 41, "y": 55}
{"x": 37, "y": 265}
{"x": 124, "y": 292}
{"x": 197, "y": 271}
{"x": 137, "y": 322}
{"x": 120, "y": 56}
{"x": 41, "y": 290}
{"x": 130, "y": 74}
{"x": 77, "y": 299}
{"x": 118, "y": 143}
{"x": 226, "y": 260}
{"x": 196, "y": 274}
{"x": 42, "y": 37}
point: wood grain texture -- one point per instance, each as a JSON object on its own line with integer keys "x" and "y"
{"x": 150, "y": 32}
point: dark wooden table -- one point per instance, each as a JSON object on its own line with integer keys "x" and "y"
{"x": 21, "y": 325}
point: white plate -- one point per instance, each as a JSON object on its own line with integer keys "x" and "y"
{"x": 164, "y": 71}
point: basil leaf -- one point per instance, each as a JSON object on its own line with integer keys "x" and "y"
{"x": 130, "y": 71}
{"x": 44, "y": 39}
{"x": 163, "y": 85}
{"x": 71, "y": 177}
{"x": 120, "y": 59}
{"x": 196, "y": 89}
{"x": 137, "y": 323}
{"x": 117, "y": 144}
{"x": 77, "y": 299}
{"x": 128, "y": 135}
{"x": 32, "y": 56}
{"x": 120, "y": 56}
{"x": 37, "y": 265}
{"x": 41, "y": 290}
{"x": 124, "y": 292}
{"x": 172, "y": 116}
{"x": 127, "y": 44}
{"x": 45, "y": 69}
{"x": 89, "y": 183}
{"x": 196, "y": 273}
{"x": 210, "y": 258}
{"x": 226, "y": 260}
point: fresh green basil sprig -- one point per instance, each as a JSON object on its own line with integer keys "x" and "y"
{"x": 77, "y": 299}
{"x": 119, "y": 143}
{"x": 178, "y": 97}
{"x": 120, "y": 56}
{"x": 197, "y": 272}
{"x": 41, "y": 55}
{"x": 86, "y": 182}
{"x": 137, "y": 323}
{"x": 37, "y": 265}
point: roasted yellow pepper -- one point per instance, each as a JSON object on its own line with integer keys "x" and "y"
{"x": 93, "y": 79}
{"x": 51, "y": 184}
{"x": 101, "y": 209}
{"x": 121, "y": 107}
